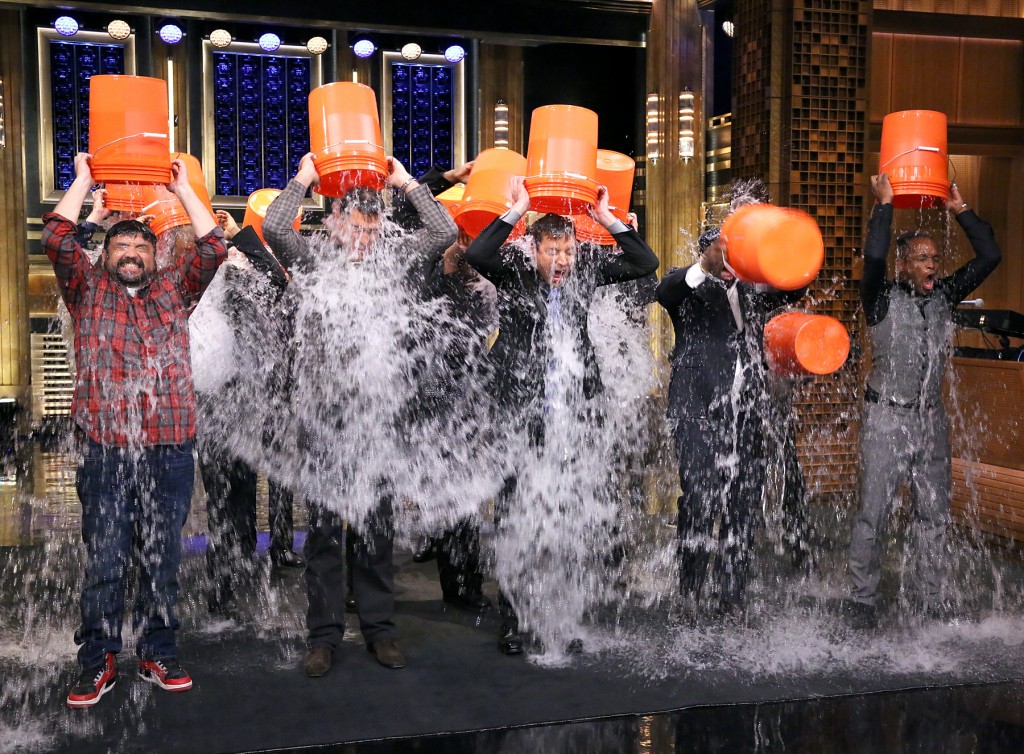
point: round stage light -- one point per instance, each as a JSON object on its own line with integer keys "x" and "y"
{"x": 316, "y": 45}
{"x": 411, "y": 51}
{"x": 269, "y": 42}
{"x": 171, "y": 33}
{"x": 119, "y": 29}
{"x": 364, "y": 48}
{"x": 220, "y": 37}
{"x": 729, "y": 28}
{"x": 454, "y": 53}
{"x": 66, "y": 26}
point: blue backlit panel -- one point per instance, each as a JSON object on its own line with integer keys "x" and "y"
{"x": 260, "y": 120}
{"x": 72, "y": 64}
{"x": 422, "y": 116}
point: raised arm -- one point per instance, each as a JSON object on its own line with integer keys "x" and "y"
{"x": 673, "y": 289}
{"x": 70, "y": 263}
{"x": 288, "y": 244}
{"x": 439, "y": 231}
{"x": 876, "y": 251}
{"x": 485, "y": 251}
{"x": 636, "y": 260}
{"x": 198, "y": 267}
{"x": 986, "y": 251}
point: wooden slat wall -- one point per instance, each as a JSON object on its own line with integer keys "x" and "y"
{"x": 14, "y": 335}
{"x": 1004, "y": 8}
{"x": 501, "y": 78}
{"x": 989, "y": 498}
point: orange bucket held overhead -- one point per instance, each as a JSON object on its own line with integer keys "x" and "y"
{"x": 561, "y": 171}
{"x": 488, "y": 192}
{"x": 914, "y": 153}
{"x": 773, "y": 245}
{"x": 798, "y": 344}
{"x": 614, "y": 171}
{"x": 345, "y": 137}
{"x": 130, "y": 198}
{"x": 451, "y": 198}
{"x": 256, "y": 210}
{"x": 128, "y": 129}
{"x": 167, "y": 210}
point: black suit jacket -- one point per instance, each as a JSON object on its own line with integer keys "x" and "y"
{"x": 520, "y": 356}
{"x": 708, "y": 342}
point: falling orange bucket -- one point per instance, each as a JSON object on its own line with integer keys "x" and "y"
{"x": 489, "y": 190}
{"x": 256, "y": 210}
{"x": 561, "y": 171}
{"x": 914, "y": 153}
{"x": 128, "y": 129}
{"x": 780, "y": 247}
{"x": 797, "y": 344}
{"x": 344, "y": 135}
{"x": 166, "y": 209}
{"x": 614, "y": 171}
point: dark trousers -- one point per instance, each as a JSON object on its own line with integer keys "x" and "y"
{"x": 722, "y": 475}
{"x": 458, "y": 560}
{"x": 373, "y": 575}
{"x": 134, "y": 503}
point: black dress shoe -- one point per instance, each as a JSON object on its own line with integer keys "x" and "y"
{"x": 574, "y": 647}
{"x": 424, "y": 552}
{"x": 350, "y": 603}
{"x": 510, "y": 641}
{"x": 474, "y": 603}
{"x": 287, "y": 559}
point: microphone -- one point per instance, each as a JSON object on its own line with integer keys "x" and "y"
{"x": 975, "y": 302}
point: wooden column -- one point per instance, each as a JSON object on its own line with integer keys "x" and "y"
{"x": 501, "y": 78}
{"x": 14, "y": 331}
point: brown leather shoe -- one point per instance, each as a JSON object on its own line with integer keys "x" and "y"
{"x": 318, "y": 661}
{"x": 387, "y": 653}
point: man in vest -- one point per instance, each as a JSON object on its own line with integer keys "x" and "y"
{"x": 905, "y": 432}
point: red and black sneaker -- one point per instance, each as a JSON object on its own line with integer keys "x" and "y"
{"x": 93, "y": 683}
{"x": 167, "y": 674}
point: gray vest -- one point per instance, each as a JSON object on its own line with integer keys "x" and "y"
{"x": 910, "y": 348}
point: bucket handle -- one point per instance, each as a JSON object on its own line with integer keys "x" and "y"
{"x": 921, "y": 148}
{"x": 348, "y": 141}
{"x": 562, "y": 175}
{"x": 153, "y": 204}
{"x": 147, "y": 134}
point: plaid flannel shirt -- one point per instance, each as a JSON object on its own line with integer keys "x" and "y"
{"x": 134, "y": 380}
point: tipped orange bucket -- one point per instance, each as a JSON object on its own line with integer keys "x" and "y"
{"x": 614, "y": 171}
{"x": 561, "y": 171}
{"x": 489, "y": 191}
{"x": 451, "y": 198}
{"x": 780, "y": 247}
{"x": 129, "y": 198}
{"x": 915, "y": 155}
{"x": 128, "y": 129}
{"x": 256, "y": 210}
{"x": 166, "y": 209}
{"x": 344, "y": 134}
{"x": 797, "y": 344}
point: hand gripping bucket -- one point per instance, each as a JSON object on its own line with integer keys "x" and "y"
{"x": 128, "y": 130}
{"x": 776, "y": 246}
{"x": 166, "y": 209}
{"x": 914, "y": 153}
{"x": 615, "y": 171}
{"x": 256, "y": 210}
{"x": 488, "y": 193}
{"x": 561, "y": 171}
{"x": 344, "y": 135}
{"x": 798, "y": 344}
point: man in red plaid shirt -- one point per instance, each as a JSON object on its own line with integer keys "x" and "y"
{"x": 134, "y": 410}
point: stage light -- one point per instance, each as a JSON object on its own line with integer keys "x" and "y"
{"x": 364, "y": 48}
{"x": 66, "y": 26}
{"x": 501, "y": 125}
{"x": 454, "y": 53}
{"x": 317, "y": 45}
{"x": 686, "y": 125}
{"x": 653, "y": 127}
{"x": 171, "y": 33}
{"x": 411, "y": 51}
{"x": 119, "y": 29}
{"x": 220, "y": 37}
{"x": 729, "y": 28}
{"x": 269, "y": 42}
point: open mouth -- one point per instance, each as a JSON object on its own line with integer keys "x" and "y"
{"x": 726, "y": 275}
{"x": 557, "y": 276}
{"x": 928, "y": 284}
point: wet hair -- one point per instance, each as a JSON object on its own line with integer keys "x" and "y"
{"x": 364, "y": 200}
{"x": 707, "y": 238}
{"x": 129, "y": 228}
{"x": 552, "y": 226}
{"x": 903, "y": 241}
{"x": 743, "y": 191}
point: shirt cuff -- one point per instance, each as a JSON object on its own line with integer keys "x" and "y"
{"x": 511, "y": 217}
{"x": 695, "y": 276}
{"x": 617, "y": 227}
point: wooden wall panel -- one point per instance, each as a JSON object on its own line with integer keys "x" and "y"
{"x": 14, "y": 336}
{"x": 1003, "y": 8}
{"x": 881, "y": 75}
{"x": 924, "y": 73}
{"x": 991, "y": 82}
{"x": 501, "y": 78}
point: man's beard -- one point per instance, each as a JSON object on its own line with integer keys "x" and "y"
{"x": 142, "y": 275}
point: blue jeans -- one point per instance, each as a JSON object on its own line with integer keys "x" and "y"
{"x": 134, "y": 505}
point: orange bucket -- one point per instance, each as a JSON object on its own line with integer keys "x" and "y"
{"x": 562, "y": 159}
{"x": 489, "y": 190}
{"x": 614, "y": 171}
{"x": 166, "y": 209}
{"x": 128, "y": 129}
{"x": 780, "y": 247}
{"x": 451, "y": 198}
{"x": 915, "y": 155}
{"x": 256, "y": 210}
{"x": 344, "y": 134}
{"x": 130, "y": 198}
{"x": 797, "y": 344}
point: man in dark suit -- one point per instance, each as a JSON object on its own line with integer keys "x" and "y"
{"x": 717, "y": 398}
{"x": 537, "y": 294}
